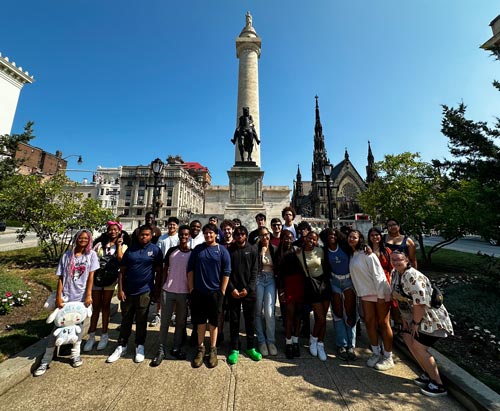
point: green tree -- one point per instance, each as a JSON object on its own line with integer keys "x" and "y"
{"x": 475, "y": 166}
{"x": 8, "y": 148}
{"x": 410, "y": 191}
{"x": 45, "y": 208}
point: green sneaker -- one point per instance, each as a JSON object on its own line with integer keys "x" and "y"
{"x": 232, "y": 358}
{"x": 254, "y": 354}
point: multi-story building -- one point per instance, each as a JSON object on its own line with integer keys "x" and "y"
{"x": 12, "y": 80}
{"x": 493, "y": 43}
{"x": 107, "y": 186}
{"x": 34, "y": 160}
{"x": 181, "y": 194}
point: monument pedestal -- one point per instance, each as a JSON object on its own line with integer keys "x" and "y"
{"x": 245, "y": 192}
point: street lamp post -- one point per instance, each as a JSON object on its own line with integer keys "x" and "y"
{"x": 79, "y": 161}
{"x": 327, "y": 171}
{"x": 157, "y": 168}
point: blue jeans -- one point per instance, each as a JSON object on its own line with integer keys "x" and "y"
{"x": 264, "y": 307}
{"x": 345, "y": 336}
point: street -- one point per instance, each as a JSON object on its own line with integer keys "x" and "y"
{"x": 471, "y": 244}
{"x": 8, "y": 240}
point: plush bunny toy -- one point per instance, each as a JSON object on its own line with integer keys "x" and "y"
{"x": 67, "y": 320}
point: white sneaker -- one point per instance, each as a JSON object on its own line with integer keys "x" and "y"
{"x": 42, "y": 369}
{"x": 263, "y": 349}
{"x": 139, "y": 353}
{"x": 103, "y": 342}
{"x": 90, "y": 343}
{"x": 374, "y": 359}
{"x": 156, "y": 321}
{"x": 313, "y": 346}
{"x": 321, "y": 351}
{"x": 386, "y": 363}
{"x": 272, "y": 349}
{"x": 119, "y": 352}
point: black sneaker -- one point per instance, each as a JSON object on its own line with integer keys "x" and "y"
{"x": 422, "y": 381}
{"x": 289, "y": 351}
{"x": 296, "y": 349}
{"x": 160, "y": 356}
{"x": 434, "y": 389}
{"x": 342, "y": 353}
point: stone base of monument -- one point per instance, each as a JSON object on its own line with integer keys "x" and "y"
{"x": 245, "y": 192}
{"x": 245, "y": 164}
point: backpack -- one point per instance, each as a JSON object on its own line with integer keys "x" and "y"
{"x": 436, "y": 296}
{"x": 107, "y": 273}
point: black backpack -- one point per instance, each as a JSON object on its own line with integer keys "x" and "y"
{"x": 107, "y": 273}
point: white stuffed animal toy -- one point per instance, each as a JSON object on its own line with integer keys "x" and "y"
{"x": 67, "y": 320}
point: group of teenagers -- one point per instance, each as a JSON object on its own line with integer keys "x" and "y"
{"x": 215, "y": 272}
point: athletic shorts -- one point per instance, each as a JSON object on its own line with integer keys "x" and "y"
{"x": 206, "y": 307}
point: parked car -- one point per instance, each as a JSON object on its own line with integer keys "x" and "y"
{"x": 3, "y": 225}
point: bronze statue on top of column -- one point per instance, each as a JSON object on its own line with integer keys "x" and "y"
{"x": 245, "y": 135}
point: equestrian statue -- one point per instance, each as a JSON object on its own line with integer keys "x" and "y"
{"x": 245, "y": 134}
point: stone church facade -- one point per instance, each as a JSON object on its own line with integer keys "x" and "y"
{"x": 310, "y": 198}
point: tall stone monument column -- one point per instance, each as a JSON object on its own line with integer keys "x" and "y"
{"x": 248, "y": 46}
{"x": 245, "y": 177}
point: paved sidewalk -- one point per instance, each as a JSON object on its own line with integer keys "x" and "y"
{"x": 271, "y": 384}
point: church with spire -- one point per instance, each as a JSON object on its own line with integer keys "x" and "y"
{"x": 310, "y": 198}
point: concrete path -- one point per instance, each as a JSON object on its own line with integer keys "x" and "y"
{"x": 271, "y": 384}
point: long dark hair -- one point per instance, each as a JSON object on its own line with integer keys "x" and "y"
{"x": 361, "y": 242}
{"x": 341, "y": 238}
{"x": 270, "y": 247}
{"x": 381, "y": 245}
{"x": 401, "y": 231}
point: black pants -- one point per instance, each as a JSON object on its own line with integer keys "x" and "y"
{"x": 138, "y": 306}
{"x": 234, "y": 306}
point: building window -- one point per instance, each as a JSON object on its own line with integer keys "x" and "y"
{"x": 102, "y": 191}
{"x": 128, "y": 193}
{"x": 142, "y": 183}
{"x": 169, "y": 202}
{"x": 127, "y": 203}
{"x": 129, "y": 183}
{"x": 169, "y": 192}
{"x": 139, "y": 211}
{"x": 140, "y": 193}
{"x": 168, "y": 213}
{"x": 170, "y": 183}
{"x": 126, "y": 212}
{"x": 89, "y": 195}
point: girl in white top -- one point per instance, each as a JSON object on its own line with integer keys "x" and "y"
{"x": 373, "y": 288}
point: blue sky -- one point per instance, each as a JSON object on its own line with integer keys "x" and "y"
{"x": 123, "y": 82}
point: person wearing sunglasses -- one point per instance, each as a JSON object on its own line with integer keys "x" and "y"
{"x": 275, "y": 231}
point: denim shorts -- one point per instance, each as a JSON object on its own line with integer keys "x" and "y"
{"x": 339, "y": 286}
